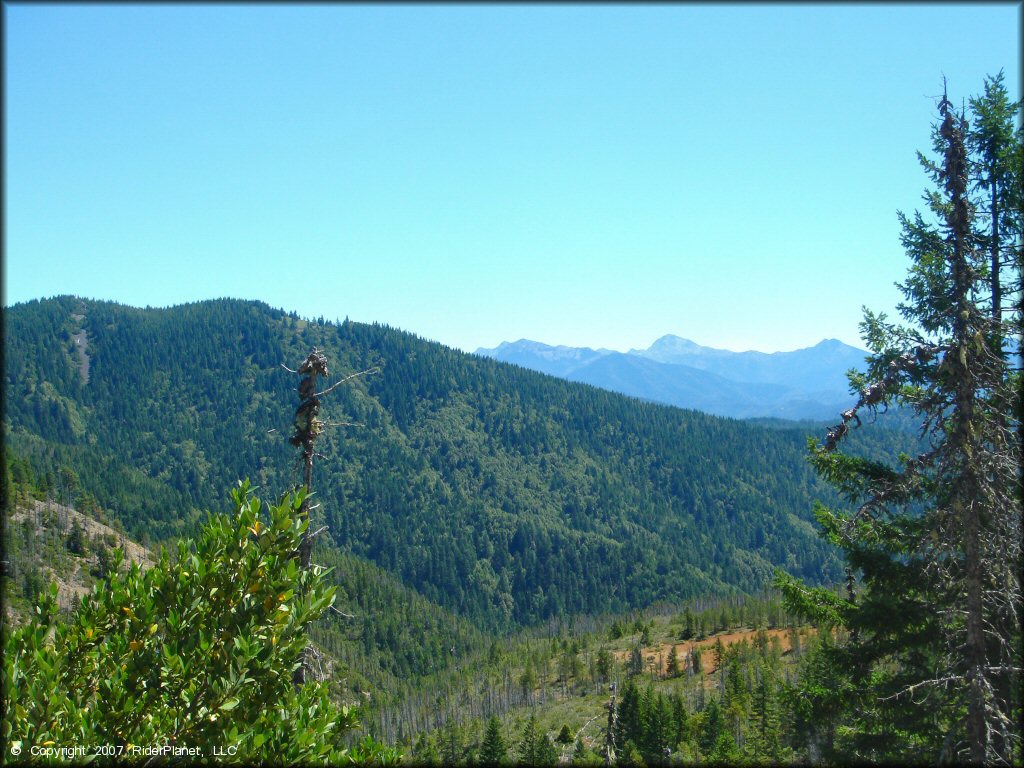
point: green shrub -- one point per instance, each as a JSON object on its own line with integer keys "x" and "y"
{"x": 197, "y": 652}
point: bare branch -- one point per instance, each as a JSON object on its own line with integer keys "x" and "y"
{"x": 943, "y": 681}
{"x": 367, "y": 372}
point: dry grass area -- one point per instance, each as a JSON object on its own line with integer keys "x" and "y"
{"x": 71, "y": 588}
{"x": 659, "y": 653}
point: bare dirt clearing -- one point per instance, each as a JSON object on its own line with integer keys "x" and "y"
{"x": 656, "y": 656}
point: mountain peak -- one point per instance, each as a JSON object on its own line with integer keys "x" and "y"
{"x": 670, "y": 347}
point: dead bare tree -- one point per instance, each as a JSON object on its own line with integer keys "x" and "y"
{"x": 609, "y": 736}
{"x": 308, "y": 427}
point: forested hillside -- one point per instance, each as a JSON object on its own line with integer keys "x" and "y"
{"x": 426, "y": 681}
{"x": 502, "y": 494}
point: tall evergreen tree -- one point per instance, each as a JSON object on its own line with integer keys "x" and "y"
{"x": 536, "y": 748}
{"x": 712, "y": 726}
{"x": 493, "y": 750}
{"x": 994, "y": 138}
{"x": 453, "y": 748}
{"x": 933, "y": 657}
{"x": 766, "y": 737}
{"x": 658, "y": 728}
{"x": 636, "y": 662}
{"x": 629, "y": 720}
{"x": 672, "y": 665}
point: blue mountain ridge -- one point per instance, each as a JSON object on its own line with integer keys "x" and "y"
{"x": 802, "y": 384}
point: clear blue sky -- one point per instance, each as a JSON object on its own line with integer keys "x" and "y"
{"x": 583, "y": 175}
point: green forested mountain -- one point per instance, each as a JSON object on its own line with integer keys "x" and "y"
{"x": 504, "y": 495}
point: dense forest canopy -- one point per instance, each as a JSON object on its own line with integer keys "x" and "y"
{"x": 503, "y": 494}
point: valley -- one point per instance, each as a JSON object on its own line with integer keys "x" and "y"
{"x": 503, "y": 495}
{"x": 475, "y": 517}
{"x": 556, "y": 675}
{"x": 504, "y": 545}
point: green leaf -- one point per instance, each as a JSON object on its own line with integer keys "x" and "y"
{"x": 229, "y": 704}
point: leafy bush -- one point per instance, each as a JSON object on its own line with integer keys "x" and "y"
{"x": 198, "y": 652}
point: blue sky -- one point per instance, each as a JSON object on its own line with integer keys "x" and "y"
{"x": 584, "y": 175}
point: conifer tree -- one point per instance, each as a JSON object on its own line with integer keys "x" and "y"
{"x": 453, "y": 748}
{"x": 629, "y": 720}
{"x": 536, "y": 748}
{"x": 672, "y": 666}
{"x": 580, "y": 753}
{"x": 76, "y": 539}
{"x": 712, "y": 727}
{"x": 680, "y": 719}
{"x": 688, "y": 629}
{"x": 603, "y": 666}
{"x": 493, "y": 750}
{"x": 658, "y": 730}
{"x": 765, "y": 741}
{"x": 994, "y": 138}
{"x": 564, "y": 735}
{"x": 636, "y": 662}
{"x": 932, "y": 665}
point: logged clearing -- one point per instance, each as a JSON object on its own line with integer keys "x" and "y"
{"x": 656, "y": 656}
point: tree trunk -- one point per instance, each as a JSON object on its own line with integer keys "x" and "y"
{"x": 965, "y": 505}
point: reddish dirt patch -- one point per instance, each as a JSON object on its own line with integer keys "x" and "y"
{"x": 659, "y": 653}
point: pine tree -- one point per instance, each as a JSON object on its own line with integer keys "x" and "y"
{"x": 672, "y": 668}
{"x": 636, "y": 662}
{"x": 993, "y": 139}
{"x": 680, "y": 719}
{"x": 933, "y": 607}
{"x": 658, "y": 731}
{"x": 545, "y": 751}
{"x": 528, "y": 743}
{"x": 493, "y": 750}
{"x": 717, "y": 654}
{"x": 453, "y": 748}
{"x": 603, "y": 667}
{"x": 580, "y": 754}
{"x": 817, "y": 702}
{"x": 629, "y": 720}
{"x": 725, "y": 751}
{"x": 765, "y": 741}
{"x": 712, "y": 726}
{"x": 688, "y": 628}
{"x": 536, "y": 748}
{"x": 76, "y": 539}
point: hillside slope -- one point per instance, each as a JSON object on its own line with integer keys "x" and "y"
{"x": 499, "y": 493}
{"x": 384, "y": 638}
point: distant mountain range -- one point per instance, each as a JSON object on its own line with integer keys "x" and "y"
{"x": 803, "y": 384}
